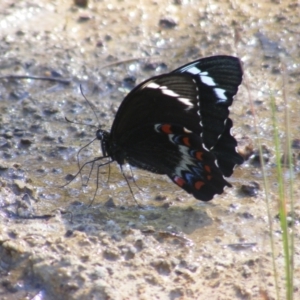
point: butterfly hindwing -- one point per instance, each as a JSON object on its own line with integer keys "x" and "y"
{"x": 196, "y": 172}
{"x": 173, "y": 150}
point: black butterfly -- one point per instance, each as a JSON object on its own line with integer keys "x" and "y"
{"x": 177, "y": 124}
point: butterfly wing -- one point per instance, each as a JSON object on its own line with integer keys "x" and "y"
{"x": 177, "y": 124}
{"x": 173, "y": 150}
{"x": 225, "y": 152}
{"x": 217, "y": 78}
{"x": 166, "y": 98}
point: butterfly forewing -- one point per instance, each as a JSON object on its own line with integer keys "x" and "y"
{"x": 225, "y": 152}
{"x": 165, "y": 98}
{"x": 218, "y": 79}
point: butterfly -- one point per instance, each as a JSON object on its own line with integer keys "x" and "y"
{"x": 177, "y": 124}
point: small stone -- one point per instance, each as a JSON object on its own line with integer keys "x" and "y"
{"x": 110, "y": 203}
{"x": 256, "y": 156}
{"x": 296, "y": 144}
{"x": 69, "y": 177}
{"x": 251, "y": 189}
{"x": 160, "y": 198}
{"x": 26, "y": 142}
{"x": 167, "y": 22}
{"x": 81, "y": 3}
{"x": 84, "y": 18}
{"x": 8, "y": 135}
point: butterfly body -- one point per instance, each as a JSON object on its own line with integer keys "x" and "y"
{"x": 177, "y": 124}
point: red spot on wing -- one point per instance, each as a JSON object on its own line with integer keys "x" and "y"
{"x": 166, "y": 128}
{"x": 198, "y": 185}
{"x": 186, "y": 141}
{"x": 199, "y": 155}
{"x": 207, "y": 168}
{"x": 179, "y": 181}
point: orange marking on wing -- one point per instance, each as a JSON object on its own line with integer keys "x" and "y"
{"x": 208, "y": 177}
{"x": 180, "y": 181}
{"x": 198, "y": 185}
{"x": 199, "y": 155}
{"x": 166, "y": 128}
{"x": 207, "y": 168}
{"x": 186, "y": 141}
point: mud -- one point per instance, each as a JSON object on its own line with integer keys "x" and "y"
{"x": 171, "y": 246}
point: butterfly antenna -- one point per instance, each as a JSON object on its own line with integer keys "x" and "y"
{"x": 79, "y": 123}
{"x": 47, "y": 78}
{"x": 89, "y": 103}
